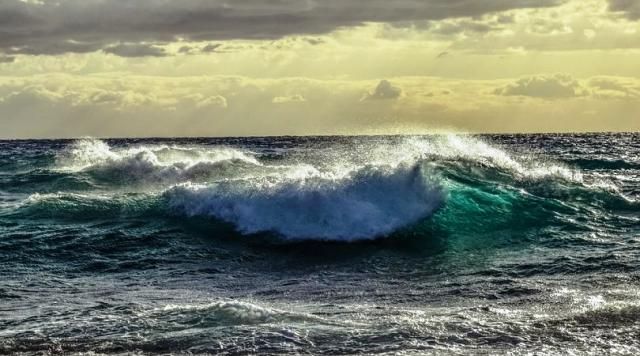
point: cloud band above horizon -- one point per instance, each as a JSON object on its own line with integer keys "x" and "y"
{"x": 41, "y": 27}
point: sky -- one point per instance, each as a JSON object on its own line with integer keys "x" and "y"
{"x": 151, "y": 68}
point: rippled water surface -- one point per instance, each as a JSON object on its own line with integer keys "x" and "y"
{"x": 321, "y": 245}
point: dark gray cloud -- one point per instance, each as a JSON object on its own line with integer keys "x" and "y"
{"x": 201, "y": 49}
{"x": 467, "y": 26}
{"x": 186, "y": 49}
{"x": 211, "y": 48}
{"x": 384, "y": 91}
{"x": 41, "y": 46}
{"x": 51, "y": 27}
{"x": 630, "y": 8}
{"x": 136, "y": 50}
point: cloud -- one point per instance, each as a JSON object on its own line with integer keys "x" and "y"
{"x": 614, "y": 87}
{"x": 549, "y": 87}
{"x": 42, "y": 97}
{"x": 564, "y": 86}
{"x": 297, "y": 98}
{"x": 630, "y": 8}
{"x": 214, "y": 101}
{"x": 44, "y": 47}
{"x": 186, "y": 49}
{"x": 7, "y": 59}
{"x": 136, "y": 50}
{"x": 449, "y": 28}
{"x": 203, "y": 49}
{"x": 51, "y": 27}
{"x": 112, "y": 105}
{"x": 314, "y": 41}
{"x": 384, "y": 90}
{"x": 210, "y": 48}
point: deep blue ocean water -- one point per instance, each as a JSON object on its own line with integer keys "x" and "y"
{"x": 446, "y": 244}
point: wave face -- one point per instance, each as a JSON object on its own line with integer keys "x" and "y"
{"x": 362, "y": 204}
{"x": 321, "y": 245}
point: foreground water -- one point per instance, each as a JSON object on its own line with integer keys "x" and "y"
{"x": 351, "y": 245}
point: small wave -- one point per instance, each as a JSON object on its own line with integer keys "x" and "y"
{"x": 86, "y": 206}
{"x": 149, "y": 164}
{"x": 467, "y": 150}
{"x": 475, "y": 163}
{"x": 228, "y": 313}
{"x": 604, "y": 164}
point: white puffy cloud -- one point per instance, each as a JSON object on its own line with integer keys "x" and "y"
{"x": 549, "y": 87}
{"x": 296, "y": 98}
{"x": 213, "y": 101}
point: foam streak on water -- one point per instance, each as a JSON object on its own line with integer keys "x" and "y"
{"x": 334, "y": 245}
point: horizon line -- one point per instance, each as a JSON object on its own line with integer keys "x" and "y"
{"x": 319, "y": 135}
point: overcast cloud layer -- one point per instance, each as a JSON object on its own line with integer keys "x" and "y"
{"x": 60, "y": 26}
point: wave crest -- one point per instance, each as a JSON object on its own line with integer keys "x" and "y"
{"x": 149, "y": 164}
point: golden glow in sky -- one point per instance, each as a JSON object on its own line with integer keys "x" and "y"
{"x": 105, "y": 68}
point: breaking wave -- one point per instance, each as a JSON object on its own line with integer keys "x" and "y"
{"x": 368, "y": 203}
{"x": 339, "y": 193}
{"x": 154, "y": 164}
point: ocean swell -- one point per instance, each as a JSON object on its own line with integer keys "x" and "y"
{"x": 442, "y": 183}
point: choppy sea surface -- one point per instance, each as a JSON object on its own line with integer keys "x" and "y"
{"x": 444, "y": 244}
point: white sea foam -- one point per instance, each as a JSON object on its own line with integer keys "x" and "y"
{"x": 158, "y": 163}
{"x": 364, "y": 204}
{"x": 234, "y": 312}
{"x": 230, "y": 311}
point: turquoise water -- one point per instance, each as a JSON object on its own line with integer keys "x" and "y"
{"x": 321, "y": 245}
